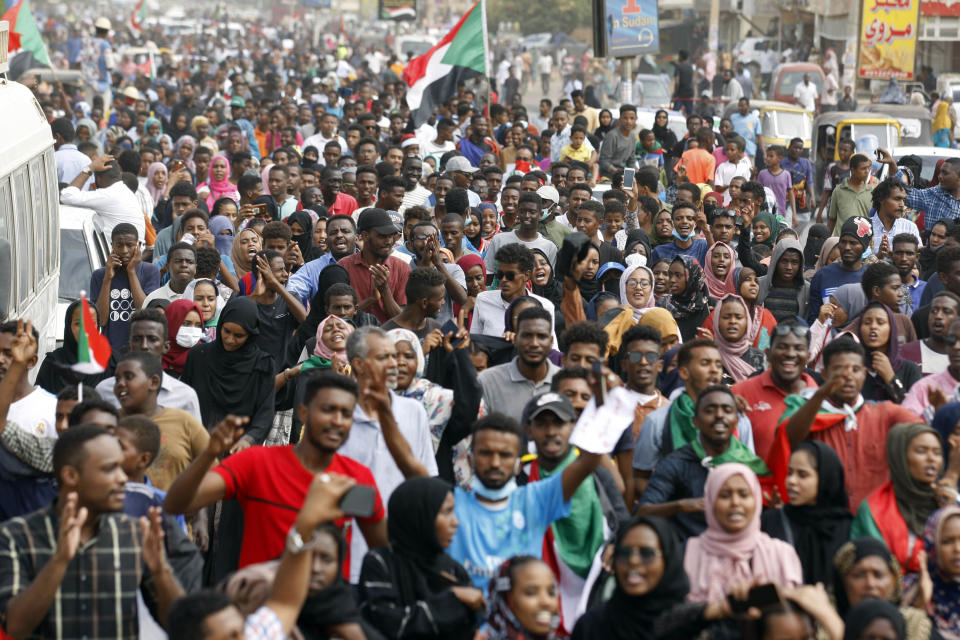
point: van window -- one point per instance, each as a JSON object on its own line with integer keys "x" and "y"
{"x": 24, "y": 248}
{"x": 75, "y": 264}
{"x": 790, "y": 79}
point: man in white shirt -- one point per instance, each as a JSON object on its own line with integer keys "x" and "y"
{"x": 327, "y": 133}
{"x": 415, "y": 194}
{"x": 112, "y": 200}
{"x": 70, "y": 162}
{"x": 33, "y": 409}
{"x": 737, "y": 164}
{"x": 373, "y": 356}
{"x": 514, "y": 270}
{"x": 443, "y": 142}
{"x": 806, "y": 94}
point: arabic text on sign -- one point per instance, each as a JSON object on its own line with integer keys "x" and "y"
{"x": 891, "y": 5}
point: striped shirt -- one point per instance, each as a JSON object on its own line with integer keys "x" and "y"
{"x": 900, "y": 225}
{"x": 97, "y": 597}
{"x": 934, "y": 202}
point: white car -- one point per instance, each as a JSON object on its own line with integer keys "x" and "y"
{"x": 749, "y": 51}
{"x": 83, "y": 249}
{"x": 650, "y": 90}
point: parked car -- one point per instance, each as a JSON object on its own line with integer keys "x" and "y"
{"x": 787, "y": 76}
{"x": 749, "y": 51}
{"x": 83, "y": 249}
{"x": 650, "y": 91}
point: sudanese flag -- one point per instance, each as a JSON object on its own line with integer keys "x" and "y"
{"x": 93, "y": 348}
{"x": 26, "y": 47}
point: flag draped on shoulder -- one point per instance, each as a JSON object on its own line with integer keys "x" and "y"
{"x": 26, "y": 47}
{"x": 93, "y": 348}
{"x": 461, "y": 54}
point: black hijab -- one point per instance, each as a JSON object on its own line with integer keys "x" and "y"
{"x": 229, "y": 381}
{"x": 816, "y": 531}
{"x": 331, "y": 605}
{"x": 422, "y": 567}
{"x": 304, "y": 240}
{"x": 816, "y": 236}
{"x": 553, "y": 290}
{"x": 635, "y": 237}
{"x": 56, "y": 371}
{"x": 626, "y": 617}
{"x": 663, "y": 134}
{"x": 849, "y": 554}
{"x": 866, "y": 611}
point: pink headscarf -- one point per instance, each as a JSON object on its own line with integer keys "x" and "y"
{"x": 731, "y": 352}
{"x": 717, "y": 560}
{"x": 323, "y": 350}
{"x": 719, "y": 288}
{"x": 219, "y": 189}
{"x": 265, "y": 178}
{"x": 155, "y": 192}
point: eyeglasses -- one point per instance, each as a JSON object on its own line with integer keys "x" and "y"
{"x": 798, "y": 330}
{"x": 637, "y": 357}
{"x": 638, "y": 283}
{"x": 623, "y": 553}
{"x": 506, "y": 275}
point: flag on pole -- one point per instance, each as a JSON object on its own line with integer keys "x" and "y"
{"x": 462, "y": 54}
{"x": 26, "y": 47}
{"x": 138, "y": 16}
{"x": 93, "y": 348}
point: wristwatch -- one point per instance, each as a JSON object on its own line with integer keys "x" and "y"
{"x": 87, "y": 170}
{"x": 295, "y": 543}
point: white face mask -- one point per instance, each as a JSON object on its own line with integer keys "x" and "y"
{"x": 189, "y": 336}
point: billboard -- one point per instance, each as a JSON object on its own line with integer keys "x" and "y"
{"x": 630, "y": 27}
{"x": 888, "y": 38}
{"x": 397, "y": 9}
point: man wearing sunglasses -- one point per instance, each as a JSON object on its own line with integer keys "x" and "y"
{"x": 515, "y": 266}
{"x": 549, "y": 419}
{"x": 675, "y": 490}
{"x": 765, "y": 394}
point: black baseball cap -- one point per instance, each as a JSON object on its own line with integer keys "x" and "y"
{"x": 549, "y": 401}
{"x": 377, "y": 220}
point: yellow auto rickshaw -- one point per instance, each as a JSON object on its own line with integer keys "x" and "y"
{"x": 780, "y": 122}
{"x": 833, "y": 126}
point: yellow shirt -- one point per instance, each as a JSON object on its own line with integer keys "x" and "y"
{"x": 582, "y": 154}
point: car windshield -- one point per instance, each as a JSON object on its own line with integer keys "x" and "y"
{"x": 790, "y": 79}
{"x": 786, "y": 124}
{"x": 75, "y": 269}
{"x": 883, "y": 133}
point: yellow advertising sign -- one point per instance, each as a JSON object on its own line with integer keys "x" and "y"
{"x": 888, "y": 38}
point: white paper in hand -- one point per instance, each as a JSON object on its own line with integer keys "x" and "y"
{"x": 598, "y": 430}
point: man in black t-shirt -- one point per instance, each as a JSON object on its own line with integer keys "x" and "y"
{"x": 683, "y": 86}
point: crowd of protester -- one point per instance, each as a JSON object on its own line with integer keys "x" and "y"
{"x": 350, "y": 351}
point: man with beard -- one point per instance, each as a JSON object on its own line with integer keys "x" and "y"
{"x": 888, "y": 199}
{"x": 374, "y": 269}
{"x": 675, "y": 490}
{"x": 498, "y": 519}
{"x": 855, "y": 237}
{"x": 478, "y": 142}
{"x": 341, "y": 242}
{"x": 271, "y": 482}
{"x": 671, "y": 427}
{"x": 932, "y": 353}
{"x": 509, "y": 386}
{"x": 836, "y": 414}
{"x": 549, "y": 419}
{"x": 381, "y": 421}
{"x": 766, "y": 393}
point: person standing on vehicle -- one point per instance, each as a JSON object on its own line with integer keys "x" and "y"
{"x": 100, "y": 60}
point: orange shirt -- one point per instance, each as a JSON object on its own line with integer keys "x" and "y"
{"x": 700, "y": 165}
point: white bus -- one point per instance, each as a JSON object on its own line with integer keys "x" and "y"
{"x": 29, "y": 209}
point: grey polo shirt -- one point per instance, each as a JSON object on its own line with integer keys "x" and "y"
{"x": 505, "y": 390}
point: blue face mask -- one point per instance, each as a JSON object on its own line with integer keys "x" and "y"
{"x": 493, "y": 495}
{"x": 866, "y": 254}
{"x": 683, "y": 238}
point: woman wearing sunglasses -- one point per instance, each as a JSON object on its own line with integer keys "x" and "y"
{"x": 648, "y": 568}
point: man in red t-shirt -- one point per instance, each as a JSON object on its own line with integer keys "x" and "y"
{"x": 270, "y": 483}
{"x": 765, "y": 394}
{"x": 338, "y": 203}
{"x": 374, "y": 271}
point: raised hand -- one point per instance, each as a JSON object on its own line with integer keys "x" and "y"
{"x": 135, "y": 259}
{"x": 151, "y": 526}
{"x": 266, "y": 274}
{"x": 462, "y": 334}
{"x": 226, "y": 434}
{"x": 71, "y": 523}
{"x": 23, "y": 349}
{"x": 433, "y": 340}
{"x": 374, "y": 392}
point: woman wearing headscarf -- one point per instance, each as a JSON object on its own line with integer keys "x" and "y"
{"x": 662, "y": 133}
{"x": 637, "y": 242}
{"x": 720, "y": 263}
{"x": 157, "y": 191}
{"x": 940, "y": 537}
{"x": 222, "y": 229}
{"x": 897, "y": 511}
{"x": 545, "y": 284}
{"x": 636, "y": 291}
{"x": 816, "y": 518}
{"x": 648, "y": 545}
{"x": 246, "y": 245}
{"x": 870, "y": 557}
{"x": 148, "y": 136}
{"x": 56, "y": 370}
{"x": 304, "y": 235}
{"x": 605, "y": 118}
{"x": 412, "y": 588}
{"x": 817, "y": 234}
{"x": 512, "y": 613}
{"x": 733, "y": 550}
{"x": 942, "y": 126}
{"x": 783, "y": 289}
{"x": 762, "y": 231}
{"x": 475, "y": 272}
{"x": 184, "y": 328}
{"x": 762, "y": 321}
{"x": 732, "y": 333}
{"x": 577, "y": 263}
{"x": 877, "y": 617}
{"x": 664, "y": 322}
{"x": 689, "y": 298}
{"x": 889, "y": 375}
{"x": 331, "y": 345}
{"x": 829, "y": 253}
{"x": 662, "y": 230}
{"x": 219, "y": 181}
{"x": 183, "y": 150}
